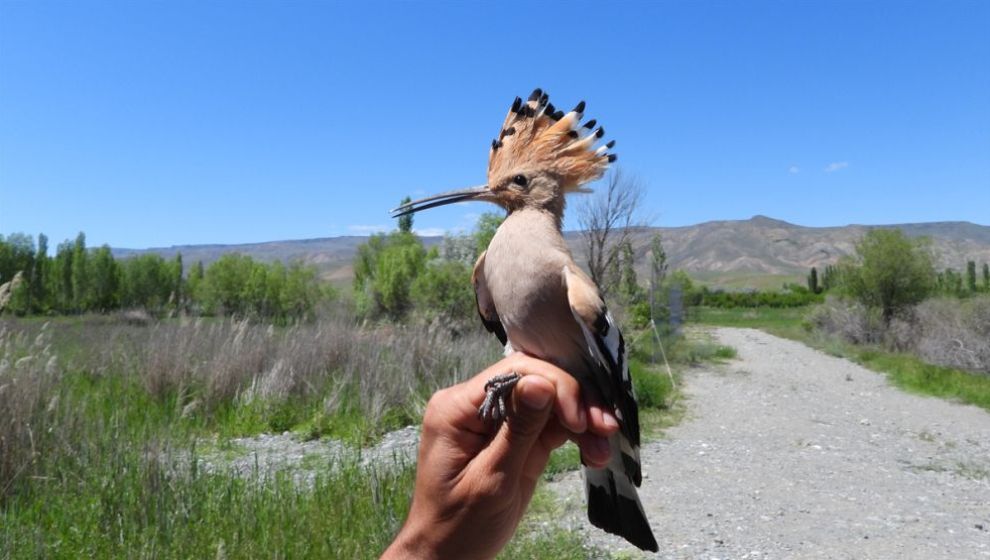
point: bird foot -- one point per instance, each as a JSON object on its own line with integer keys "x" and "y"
{"x": 496, "y": 390}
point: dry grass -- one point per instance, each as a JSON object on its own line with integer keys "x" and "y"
{"x": 29, "y": 376}
{"x": 948, "y": 332}
{"x": 197, "y": 367}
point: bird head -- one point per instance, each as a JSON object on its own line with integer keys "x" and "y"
{"x": 540, "y": 155}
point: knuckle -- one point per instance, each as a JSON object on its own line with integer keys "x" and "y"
{"x": 433, "y": 415}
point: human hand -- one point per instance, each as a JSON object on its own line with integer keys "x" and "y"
{"x": 474, "y": 480}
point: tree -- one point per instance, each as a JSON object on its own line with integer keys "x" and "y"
{"x": 104, "y": 281}
{"x": 830, "y": 278}
{"x": 80, "y": 274}
{"x": 444, "y": 288}
{"x": 627, "y": 283}
{"x": 485, "y": 230}
{"x": 607, "y": 219}
{"x": 986, "y": 277}
{"x": 194, "y": 286}
{"x": 813, "y": 286}
{"x": 405, "y": 222}
{"x": 658, "y": 272}
{"x": 178, "y": 285}
{"x": 146, "y": 282}
{"x": 61, "y": 278}
{"x": 384, "y": 270}
{"x": 39, "y": 276}
{"x": 971, "y": 276}
{"x": 890, "y": 271}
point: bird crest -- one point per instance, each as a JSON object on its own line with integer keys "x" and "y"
{"x": 535, "y": 135}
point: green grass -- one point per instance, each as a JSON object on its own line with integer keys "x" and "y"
{"x": 904, "y": 370}
{"x": 114, "y": 470}
{"x": 784, "y": 322}
{"x": 121, "y": 478}
{"x": 911, "y": 374}
{"x": 746, "y": 280}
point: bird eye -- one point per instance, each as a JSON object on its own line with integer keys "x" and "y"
{"x": 520, "y": 180}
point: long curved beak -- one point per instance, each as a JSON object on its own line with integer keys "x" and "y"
{"x": 460, "y": 195}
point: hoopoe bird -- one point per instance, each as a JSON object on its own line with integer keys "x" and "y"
{"x": 535, "y": 299}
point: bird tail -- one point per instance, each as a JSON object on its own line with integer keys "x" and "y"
{"x": 613, "y": 502}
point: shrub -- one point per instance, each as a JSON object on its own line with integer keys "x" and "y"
{"x": 889, "y": 272}
{"x": 849, "y": 320}
{"x": 943, "y": 331}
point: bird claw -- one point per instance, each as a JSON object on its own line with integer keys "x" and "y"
{"x": 496, "y": 390}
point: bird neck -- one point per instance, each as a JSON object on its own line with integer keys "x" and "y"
{"x": 551, "y": 210}
{"x": 537, "y": 219}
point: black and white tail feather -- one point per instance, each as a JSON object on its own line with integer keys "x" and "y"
{"x": 613, "y": 502}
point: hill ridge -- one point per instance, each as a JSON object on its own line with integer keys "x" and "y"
{"x": 712, "y": 250}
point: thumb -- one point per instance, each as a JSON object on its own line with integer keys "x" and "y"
{"x": 532, "y": 400}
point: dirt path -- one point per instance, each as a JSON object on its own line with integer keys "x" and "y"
{"x": 789, "y": 453}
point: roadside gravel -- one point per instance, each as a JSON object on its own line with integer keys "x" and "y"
{"x": 266, "y": 454}
{"x": 787, "y": 452}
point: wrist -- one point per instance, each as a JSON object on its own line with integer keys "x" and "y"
{"x": 411, "y": 543}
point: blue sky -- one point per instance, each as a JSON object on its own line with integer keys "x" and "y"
{"x": 160, "y": 123}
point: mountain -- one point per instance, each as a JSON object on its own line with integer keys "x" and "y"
{"x": 757, "y": 252}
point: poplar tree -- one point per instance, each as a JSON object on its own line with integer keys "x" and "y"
{"x": 405, "y": 222}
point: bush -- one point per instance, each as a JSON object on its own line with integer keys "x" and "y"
{"x": 955, "y": 333}
{"x": 943, "y": 331}
{"x": 793, "y": 296}
{"x": 889, "y": 272}
{"x": 849, "y": 320}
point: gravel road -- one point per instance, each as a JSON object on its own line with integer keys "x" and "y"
{"x": 787, "y": 452}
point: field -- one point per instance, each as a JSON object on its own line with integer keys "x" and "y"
{"x": 111, "y": 432}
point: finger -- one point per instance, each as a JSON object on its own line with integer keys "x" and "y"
{"x": 531, "y": 406}
{"x": 595, "y": 450}
{"x": 554, "y": 435}
{"x": 568, "y": 406}
{"x": 602, "y": 421}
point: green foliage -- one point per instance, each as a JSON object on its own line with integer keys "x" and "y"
{"x": 393, "y": 273}
{"x": 627, "y": 288}
{"x": 830, "y": 278}
{"x": 109, "y": 469}
{"x": 813, "y": 286}
{"x": 986, "y": 277}
{"x": 405, "y": 222}
{"x": 889, "y": 271}
{"x": 16, "y": 255}
{"x": 384, "y": 270}
{"x": 782, "y": 321}
{"x": 146, "y": 282}
{"x": 238, "y": 285}
{"x": 78, "y": 280}
{"x": 444, "y": 287}
{"x": 793, "y": 296}
{"x": 658, "y": 261}
{"x": 971, "y": 276}
{"x": 105, "y": 280}
{"x": 485, "y": 230}
{"x": 653, "y": 389}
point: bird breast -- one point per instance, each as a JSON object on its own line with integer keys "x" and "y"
{"x": 524, "y": 271}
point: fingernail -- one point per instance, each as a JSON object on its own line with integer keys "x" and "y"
{"x": 609, "y": 419}
{"x": 534, "y": 398}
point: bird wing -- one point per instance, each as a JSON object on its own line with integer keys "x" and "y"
{"x": 486, "y": 306}
{"x": 607, "y": 347}
{"x": 613, "y": 502}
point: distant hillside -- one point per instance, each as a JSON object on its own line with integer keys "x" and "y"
{"x": 734, "y": 253}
